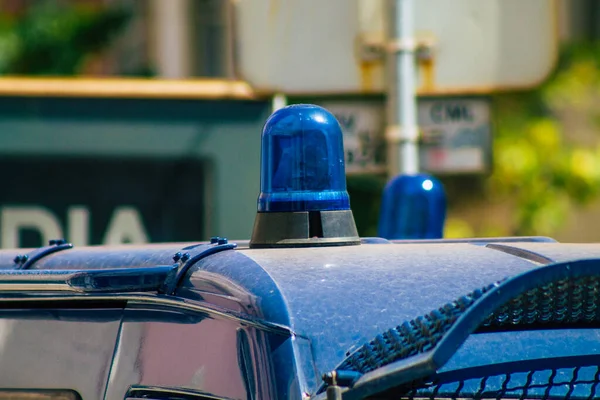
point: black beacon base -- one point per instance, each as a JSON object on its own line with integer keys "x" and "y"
{"x": 304, "y": 229}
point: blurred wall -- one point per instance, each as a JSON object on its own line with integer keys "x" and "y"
{"x": 225, "y": 135}
{"x": 191, "y": 38}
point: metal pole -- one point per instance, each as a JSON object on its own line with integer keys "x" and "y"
{"x": 414, "y": 204}
{"x": 172, "y": 38}
{"x": 279, "y": 101}
{"x": 402, "y": 132}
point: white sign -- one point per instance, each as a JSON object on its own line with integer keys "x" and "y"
{"x": 455, "y": 134}
{"x": 362, "y": 124}
{"x": 336, "y": 46}
{"x": 125, "y": 225}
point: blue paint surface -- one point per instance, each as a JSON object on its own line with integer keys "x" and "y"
{"x": 339, "y": 298}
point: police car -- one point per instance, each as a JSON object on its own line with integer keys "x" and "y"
{"x": 305, "y": 309}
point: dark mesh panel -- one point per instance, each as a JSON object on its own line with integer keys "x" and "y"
{"x": 410, "y": 338}
{"x": 565, "y": 303}
{"x": 566, "y": 383}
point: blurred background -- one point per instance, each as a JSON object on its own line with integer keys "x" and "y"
{"x": 139, "y": 120}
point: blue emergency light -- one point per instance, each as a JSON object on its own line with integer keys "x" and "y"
{"x": 303, "y": 199}
{"x": 302, "y": 166}
{"x": 413, "y": 207}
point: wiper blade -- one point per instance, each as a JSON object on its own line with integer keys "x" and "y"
{"x": 90, "y": 281}
{"x": 563, "y": 295}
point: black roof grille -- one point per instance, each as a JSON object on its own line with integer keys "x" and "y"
{"x": 408, "y": 358}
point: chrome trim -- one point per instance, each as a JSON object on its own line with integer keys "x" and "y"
{"x": 154, "y": 300}
{"x": 145, "y": 391}
{"x": 107, "y": 280}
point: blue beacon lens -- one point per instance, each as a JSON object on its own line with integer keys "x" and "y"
{"x": 302, "y": 166}
{"x": 413, "y": 207}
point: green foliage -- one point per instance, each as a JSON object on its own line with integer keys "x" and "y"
{"x": 539, "y": 167}
{"x": 52, "y": 38}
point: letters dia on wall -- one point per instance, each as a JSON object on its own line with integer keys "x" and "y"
{"x": 126, "y": 225}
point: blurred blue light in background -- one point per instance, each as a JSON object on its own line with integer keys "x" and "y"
{"x": 413, "y": 207}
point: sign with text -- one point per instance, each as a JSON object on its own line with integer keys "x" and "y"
{"x": 362, "y": 124}
{"x": 455, "y": 134}
{"x": 93, "y": 201}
